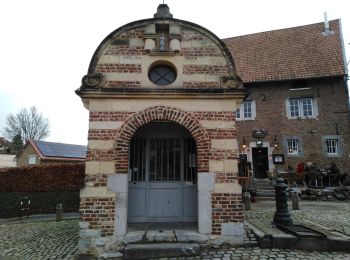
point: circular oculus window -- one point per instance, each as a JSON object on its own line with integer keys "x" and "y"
{"x": 162, "y": 75}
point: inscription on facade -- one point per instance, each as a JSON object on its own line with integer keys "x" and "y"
{"x": 190, "y": 57}
{"x": 131, "y": 57}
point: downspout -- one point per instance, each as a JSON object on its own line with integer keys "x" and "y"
{"x": 346, "y": 72}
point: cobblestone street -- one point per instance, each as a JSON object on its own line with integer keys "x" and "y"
{"x": 58, "y": 240}
{"x": 39, "y": 240}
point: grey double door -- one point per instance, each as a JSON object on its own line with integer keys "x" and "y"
{"x": 162, "y": 177}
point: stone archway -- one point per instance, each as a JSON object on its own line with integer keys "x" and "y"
{"x": 118, "y": 183}
{"x": 162, "y": 113}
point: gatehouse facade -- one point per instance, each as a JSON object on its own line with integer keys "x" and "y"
{"x": 162, "y": 95}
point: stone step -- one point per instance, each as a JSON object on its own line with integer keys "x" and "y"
{"x": 264, "y": 188}
{"x": 157, "y": 250}
{"x": 261, "y": 180}
{"x": 264, "y": 198}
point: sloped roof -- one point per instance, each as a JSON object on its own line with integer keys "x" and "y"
{"x": 292, "y": 53}
{"x": 60, "y": 150}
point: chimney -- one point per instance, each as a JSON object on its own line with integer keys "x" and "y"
{"x": 326, "y": 31}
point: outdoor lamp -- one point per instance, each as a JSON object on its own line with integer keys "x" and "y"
{"x": 275, "y": 143}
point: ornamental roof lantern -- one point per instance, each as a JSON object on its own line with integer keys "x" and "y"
{"x": 163, "y": 11}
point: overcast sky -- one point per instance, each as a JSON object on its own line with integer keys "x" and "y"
{"x": 46, "y": 45}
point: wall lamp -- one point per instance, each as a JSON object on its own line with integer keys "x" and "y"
{"x": 243, "y": 143}
{"x": 275, "y": 143}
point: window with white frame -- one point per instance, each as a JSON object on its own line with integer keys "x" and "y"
{"x": 332, "y": 145}
{"x": 293, "y": 146}
{"x": 31, "y": 159}
{"x": 301, "y": 107}
{"x": 246, "y": 111}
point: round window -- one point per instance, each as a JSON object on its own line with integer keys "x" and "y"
{"x": 162, "y": 75}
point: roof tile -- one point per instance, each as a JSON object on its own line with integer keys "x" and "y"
{"x": 292, "y": 53}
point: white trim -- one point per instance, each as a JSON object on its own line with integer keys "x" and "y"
{"x": 314, "y": 107}
{"x": 30, "y": 159}
{"x": 241, "y": 111}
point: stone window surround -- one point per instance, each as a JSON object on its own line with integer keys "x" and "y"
{"x": 324, "y": 145}
{"x": 265, "y": 144}
{"x": 300, "y": 143}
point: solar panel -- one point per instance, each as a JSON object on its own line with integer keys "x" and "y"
{"x": 49, "y": 149}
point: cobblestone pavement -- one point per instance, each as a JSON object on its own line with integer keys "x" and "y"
{"x": 334, "y": 220}
{"x": 39, "y": 240}
{"x": 58, "y": 240}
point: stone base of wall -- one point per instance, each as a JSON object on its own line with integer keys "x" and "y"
{"x": 91, "y": 242}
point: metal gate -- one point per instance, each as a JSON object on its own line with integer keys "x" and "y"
{"x": 162, "y": 175}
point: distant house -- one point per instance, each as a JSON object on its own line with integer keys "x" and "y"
{"x": 41, "y": 152}
{"x": 7, "y": 160}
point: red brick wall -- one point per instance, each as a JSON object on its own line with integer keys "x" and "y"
{"x": 200, "y": 52}
{"x": 161, "y": 113}
{"x": 226, "y": 208}
{"x": 99, "y": 212}
{"x": 118, "y": 67}
{"x": 124, "y": 50}
{"x": 332, "y": 102}
{"x": 205, "y": 69}
{"x": 101, "y": 134}
{"x": 200, "y": 85}
{"x": 108, "y": 116}
{"x": 122, "y": 84}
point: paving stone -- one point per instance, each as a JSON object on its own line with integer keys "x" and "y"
{"x": 59, "y": 240}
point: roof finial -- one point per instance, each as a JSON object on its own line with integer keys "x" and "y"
{"x": 163, "y": 11}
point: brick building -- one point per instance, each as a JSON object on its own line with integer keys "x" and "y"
{"x": 43, "y": 152}
{"x": 162, "y": 95}
{"x": 296, "y": 80}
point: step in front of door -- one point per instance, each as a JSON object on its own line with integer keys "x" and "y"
{"x": 157, "y": 250}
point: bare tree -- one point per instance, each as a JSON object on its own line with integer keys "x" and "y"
{"x": 28, "y": 124}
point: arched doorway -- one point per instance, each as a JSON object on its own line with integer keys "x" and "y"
{"x": 162, "y": 174}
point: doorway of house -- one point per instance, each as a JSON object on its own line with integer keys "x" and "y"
{"x": 260, "y": 162}
{"x": 162, "y": 175}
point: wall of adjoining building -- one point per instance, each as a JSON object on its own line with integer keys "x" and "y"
{"x": 331, "y": 98}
